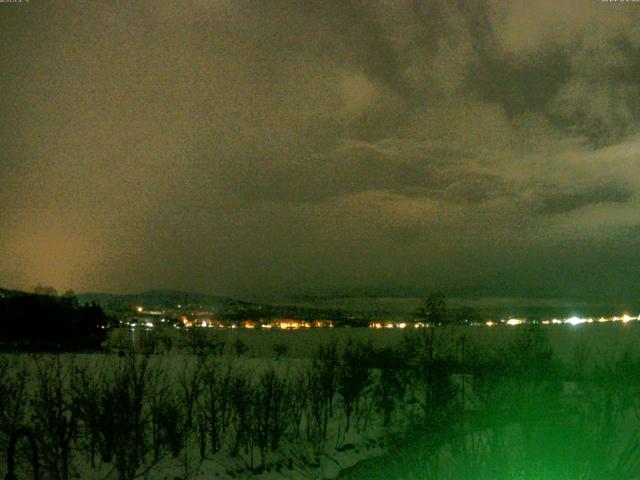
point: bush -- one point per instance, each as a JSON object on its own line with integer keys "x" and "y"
{"x": 353, "y": 377}
{"x": 13, "y": 399}
{"x": 169, "y": 425}
{"x": 216, "y": 403}
{"x": 241, "y": 394}
{"x": 280, "y": 349}
{"x": 270, "y": 412}
{"x": 391, "y": 384}
{"x": 54, "y": 417}
{"x": 322, "y": 384}
{"x": 240, "y": 347}
{"x": 123, "y": 416}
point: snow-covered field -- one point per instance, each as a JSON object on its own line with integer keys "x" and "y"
{"x": 308, "y": 414}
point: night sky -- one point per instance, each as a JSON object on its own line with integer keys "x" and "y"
{"x": 249, "y": 148}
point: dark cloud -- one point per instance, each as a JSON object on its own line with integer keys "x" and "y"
{"x": 476, "y": 188}
{"x": 354, "y": 34}
{"x": 585, "y": 84}
{"x": 602, "y": 99}
{"x": 573, "y": 199}
{"x": 479, "y": 20}
{"x": 525, "y": 84}
{"x": 356, "y": 167}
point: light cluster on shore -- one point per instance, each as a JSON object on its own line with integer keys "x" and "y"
{"x": 512, "y": 322}
{"x": 152, "y": 318}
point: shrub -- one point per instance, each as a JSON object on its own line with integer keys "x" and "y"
{"x": 241, "y": 394}
{"x": 353, "y": 376}
{"x": 123, "y": 416}
{"x": 270, "y": 412}
{"x": 13, "y": 398}
{"x": 216, "y": 409}
{"x": 54, "y": 417}
{"x": 280, "y": 349}
{"x": 240, "y": 347}
{"x": 391, "y": 384}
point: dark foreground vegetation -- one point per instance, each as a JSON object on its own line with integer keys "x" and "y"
{"x": 445, "y": 412}
{"x": 34, "y": 322}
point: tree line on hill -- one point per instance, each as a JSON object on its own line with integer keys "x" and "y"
{"x": 47, "y": 322}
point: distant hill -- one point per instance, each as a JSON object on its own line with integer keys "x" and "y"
{"x": 402, "y": 306}
{"x": 342, "y": 306}
{"x": 159, "y": 298}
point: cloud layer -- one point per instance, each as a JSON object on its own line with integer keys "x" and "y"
{"x": 247, "y": 147}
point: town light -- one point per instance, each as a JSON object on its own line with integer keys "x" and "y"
{"x": 575, "y": 320}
